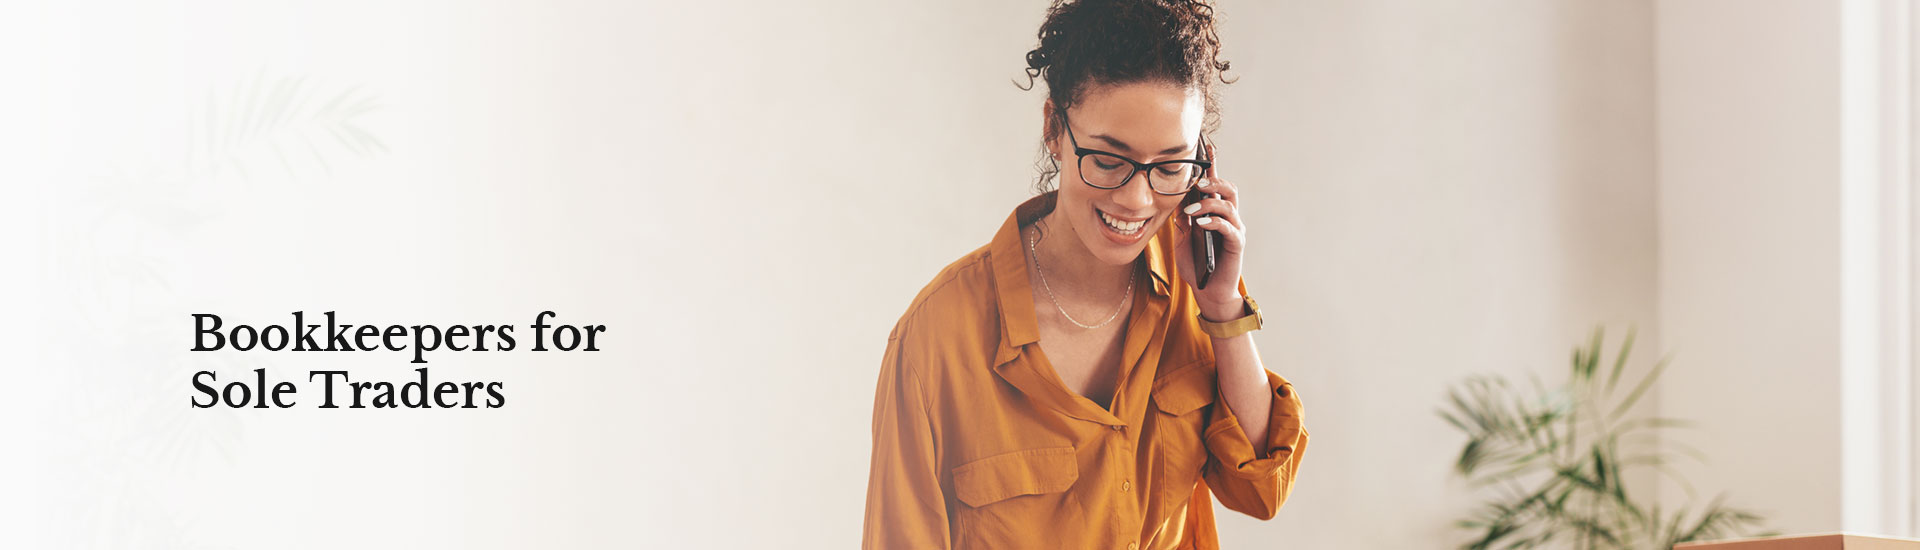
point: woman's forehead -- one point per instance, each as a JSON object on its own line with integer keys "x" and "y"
{"x": 1144, "y": 118}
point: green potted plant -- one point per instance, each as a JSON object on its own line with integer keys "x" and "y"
{"x": 1554, "y": 460}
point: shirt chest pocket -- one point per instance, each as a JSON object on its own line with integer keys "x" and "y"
{"x": 1185, "y": 391}
{"x": 1011, "y": 498}
{"x": 1003, "y": 476}
{"x": 1181, "y": 401}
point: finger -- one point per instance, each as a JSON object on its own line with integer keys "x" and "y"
{"x": 1221, "y": 188}
{"x": 1183, "y": 248}
{"x": 1215, "y": 208}
{"x": 1233, "y": 237}
{"x": 1213, "y": 157}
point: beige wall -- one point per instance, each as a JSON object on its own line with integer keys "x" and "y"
{"x": 1437, "y": 190}
{"x": 1453, "y": 189}
{"x": 1786, "y": 246}
{"x": 1750, "y": 249}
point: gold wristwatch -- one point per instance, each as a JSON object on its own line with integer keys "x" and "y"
{"x": 1247, "y": 323}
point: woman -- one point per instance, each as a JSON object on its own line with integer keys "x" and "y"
{"x": 1071, "y": 384}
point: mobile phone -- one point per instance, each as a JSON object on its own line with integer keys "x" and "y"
{"x": 1205, "y": 243}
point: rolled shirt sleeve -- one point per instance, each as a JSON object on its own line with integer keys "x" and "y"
{"x": 1250, "y": 481}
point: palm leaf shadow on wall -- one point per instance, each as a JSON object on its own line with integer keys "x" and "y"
{"x": 286, "y": 122}
{"x": 131, "y": 225}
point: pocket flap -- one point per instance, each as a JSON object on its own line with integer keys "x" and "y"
{"x": 1007, "y": 475}
{"x": 1186, "y": 390}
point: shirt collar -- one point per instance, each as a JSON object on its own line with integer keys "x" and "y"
{"x": 1009, "y": 256}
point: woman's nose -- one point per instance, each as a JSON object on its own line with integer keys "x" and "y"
{"x": 1135, "y": 197}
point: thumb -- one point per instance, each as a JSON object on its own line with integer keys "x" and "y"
{"x": 1182, "y": 247}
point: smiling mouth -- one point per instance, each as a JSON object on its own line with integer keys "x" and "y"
{"x": 1121, "y": 226}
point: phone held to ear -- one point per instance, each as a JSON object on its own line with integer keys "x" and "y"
{"x": 1205, "y": 243}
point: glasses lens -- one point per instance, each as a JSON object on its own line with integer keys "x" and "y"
{"x": 1174, "y": 177}
{"x": 1105, "y": 171}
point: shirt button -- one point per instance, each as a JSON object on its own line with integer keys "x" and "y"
{"x": 1132, "y": 545}
{"x": 1115, "y": 428}
{"x": 1124, "y": 485}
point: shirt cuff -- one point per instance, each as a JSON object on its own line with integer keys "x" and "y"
{"x": 1286, "y": 432}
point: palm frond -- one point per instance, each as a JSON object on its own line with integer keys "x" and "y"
{"x": 1560, "y": 456}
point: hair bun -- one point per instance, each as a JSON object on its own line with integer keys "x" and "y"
{"x": 1037, "y": 59}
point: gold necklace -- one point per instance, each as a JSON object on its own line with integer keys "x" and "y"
{"x": 1031, "y": 248}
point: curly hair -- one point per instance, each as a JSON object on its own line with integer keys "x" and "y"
{"x": 1087, "y": 42}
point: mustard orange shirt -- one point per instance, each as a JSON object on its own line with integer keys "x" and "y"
{"x": 978, "y": 444}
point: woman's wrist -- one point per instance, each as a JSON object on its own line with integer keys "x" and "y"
{"x": 1222, "y": 310}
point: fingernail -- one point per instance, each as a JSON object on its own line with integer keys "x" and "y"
{"x": 1203, "y": 221}
{"x": 1206, "y": 183}
{"x": 1191, "y": 208}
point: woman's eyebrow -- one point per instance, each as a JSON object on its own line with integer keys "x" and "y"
{"x": 1129, "y": 148}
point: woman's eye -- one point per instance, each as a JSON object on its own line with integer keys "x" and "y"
{"x": 1173, "y": 169}
{"x": 1104, "y": 164}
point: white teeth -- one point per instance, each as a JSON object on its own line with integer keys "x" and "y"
{"x": 1125, "y": 228}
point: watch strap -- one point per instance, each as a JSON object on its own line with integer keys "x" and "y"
{"x": 1228, "y": 329}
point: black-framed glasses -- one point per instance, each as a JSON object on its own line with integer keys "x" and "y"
{"x": 1104, "y": 170}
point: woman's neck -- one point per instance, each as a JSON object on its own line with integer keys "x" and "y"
{"x": 1069, "y": 266}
